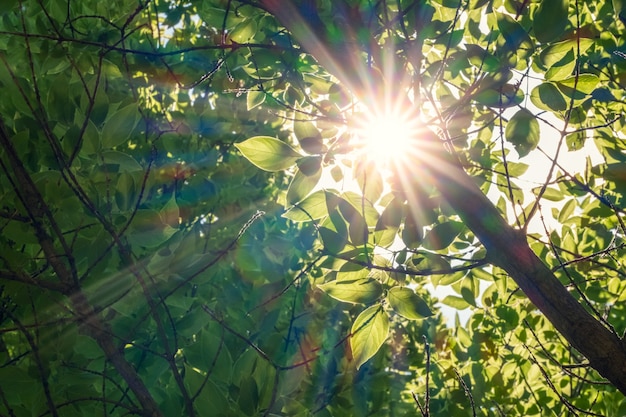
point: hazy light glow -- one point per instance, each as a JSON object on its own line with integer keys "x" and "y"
{"x": 386, "y": 138}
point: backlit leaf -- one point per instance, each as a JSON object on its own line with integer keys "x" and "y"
{"x": 566, "y": 212}
{"x": 244, "y": 31}
{"x": 560, "y": 58}
{"x": 308, "y": 136}
{"x": 310, "y": 165}
{"x": 547, "y": 97}
{"x": 619, "y": 7}
{"x": 522, "y": 131}
{"x": 578, "y": 87}
{"x": 482, "y": 59}
{"x": 391, "y": 216}
{"x": 334, "y": 232}
{"x": 369, "y": 332}
{"x": 575, "y": 141}
{"x": 442, "y": 235}
{"x": 311, "y": 208}
{"x": 406, "y": 303}
{"x": 514, "y": 34}
{"x": 360, "y": 291}
{"x": 254, "y": 99}
{"x": 455, "y": 302}
{"x": 585, "y": 83}
{"x": 301, "y": 185}
{"x": 557, "y": 51}
{"x": 357, "y": 230}
{"x": 363, "y": 206}
{"x": 412, "y": 232}
{"x": 369, "y": 179}
{"x": 268, "y": 153}
{"x": 305, "y": 129}
{"x": 550, "y": 20}
{"x": 550, "y": 194}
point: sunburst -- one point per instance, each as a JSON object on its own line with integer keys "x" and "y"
{"x": 388, "y": 138}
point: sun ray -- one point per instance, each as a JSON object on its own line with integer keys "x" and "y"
{"x": 390, "y": 138}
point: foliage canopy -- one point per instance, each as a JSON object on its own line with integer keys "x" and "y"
{"x": 149, "y": 267}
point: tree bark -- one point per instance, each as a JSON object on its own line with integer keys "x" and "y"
{"x": 92, "y": 324}
{"x": 506, "y": 247}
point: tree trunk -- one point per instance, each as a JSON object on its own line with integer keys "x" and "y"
{"x": 92, "y": 325}
{"x": 506, "y": 247}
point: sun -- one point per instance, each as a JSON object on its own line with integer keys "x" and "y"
{"x": 386, "y": 138}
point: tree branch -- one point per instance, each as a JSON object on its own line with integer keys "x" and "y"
{"x": 506, "y": 247}
{"x": 93, "y": 325}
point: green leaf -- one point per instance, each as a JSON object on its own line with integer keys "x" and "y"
{"x": 267, "y": 153}
{"x": 467, "y": 291}
{"x": 555, "y": 53}
{"x": 209, "y": 396}
{"x": 244, "y": 31}
{"x": 550, "y": 20}
{"x": 566, "y": 212}
{"x": 391, "y": 216}
{"x": 21, "y": 381}
{"x": 560, "y": 58}
{"x": 550, "y": 194}
{"x": 125, "y": 192}
{"x": 369, "y": 179}
{"x": 575, "y": 141}
{"x": 578, "y": 87}
{"x": 514, "y": 169}
{"x": 389, "y": 223}
{"x": 585, "y": 83}
{"x": 339, "y": 95}
{"x": 455, "y": 302}
{"x": 359, "y": 291}
{"x": 119, "y": 126}
{"x": 362, "y": 206}
{"x": 358, "y": 230}
{"x": 442, "y": 235}
{"x": 619, "y": 8}
{"x": 334, "y": 241}
{"x": 310, "y": 165}
{"x": 406, "y": 303}
{"x": 547, "y": 97}
{"x": 311, "y": 208}
{"x": 514, "y": 34}
{"x": 563, "y": 68}
{"x": 301, "y": 185}
{"x": 318, "y": 85}
{"x": 148, "y": 229}
{"x": 254, "y": 98}
{"x": 124, "y": 161}
{"x": 522, "y": 131}
{"x": 248, "y": 395}
{"x": 170, "y": 213}
{"x": 482, "y": 59}
{"x": 304, "y": 129}
{"x": 412, "y": 233}
{"x": 615, "y": 172}
{"x": 8, "y": 5}
{"x": 508, "y": 95}
{"x": 369, "y": 332}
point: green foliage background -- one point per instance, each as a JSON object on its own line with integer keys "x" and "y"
{"x": 148, "y": 268}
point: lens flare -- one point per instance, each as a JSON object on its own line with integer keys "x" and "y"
{"x": 387, "y": 139}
